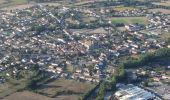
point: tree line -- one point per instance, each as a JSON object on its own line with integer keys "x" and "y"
{"x": 118, "y": 76}
{"x": 147, "y": 58}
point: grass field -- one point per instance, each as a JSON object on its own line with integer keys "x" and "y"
{"x": 129, "y": 20}
{"x": 65, "y": 88}
{"x": 19, "y": 1}
{"x": 123, "y": 8}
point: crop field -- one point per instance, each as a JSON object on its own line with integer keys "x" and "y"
{"x": 129, "y": 20}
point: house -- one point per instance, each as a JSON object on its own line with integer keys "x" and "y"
{"x": 133, "y": 27}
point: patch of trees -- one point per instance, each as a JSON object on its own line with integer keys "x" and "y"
{"x": 37, "y": 77}
{"x": 90, "y": 92}
{"x": 147, "y": 58}
{"x": 111, "y": 85}
{"x": 102, "y": 90}
{"x": 42, "y": 28}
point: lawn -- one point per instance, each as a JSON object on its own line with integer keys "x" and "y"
{"x": 129, "y": 20}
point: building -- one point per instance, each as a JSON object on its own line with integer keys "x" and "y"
{"x": 132, "y": 27}
{"x": 131, "y": 92}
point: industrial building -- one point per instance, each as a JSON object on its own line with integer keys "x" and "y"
{"x": 132, "y": 92}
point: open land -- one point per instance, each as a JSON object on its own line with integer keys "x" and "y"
{"x": 54, "y": 89}
{"x": 26, "y": 95}
{"x": 123, "y": 8}
{"x": 129, "y": 20}
{"x": 164, "y": 3}
{"x": 164, "y": 11}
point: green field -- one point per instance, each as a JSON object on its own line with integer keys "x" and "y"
{"x": 19, "y": 1}
{"x": 123, "y": 8}
{"x": 129, "y": 20}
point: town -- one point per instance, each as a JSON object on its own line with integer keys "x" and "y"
{"x": 89, "y": 45}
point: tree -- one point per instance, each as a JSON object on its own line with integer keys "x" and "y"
{"x": 102, "y": 90}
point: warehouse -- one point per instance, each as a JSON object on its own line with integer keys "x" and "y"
{"x": 131, "y": 92}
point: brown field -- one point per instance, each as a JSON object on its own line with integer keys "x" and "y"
{"x": 4, "y": 87}
{"x": 166, "y": 3}
{"x": 18, "y": 7}
{"x": 23, "y": 6}
{"x": 164, "y": 11}
{"x": 2, "y": 1}
{"x": 165, "y": 36}
{"x": 7, "y": 3}
{"x": 62, "y": 85}
{"x": 11, "y": 90}
{"x": 129, "y": 20}
{"x": 67, "y": 97}
{"x": 26, "y": 95}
